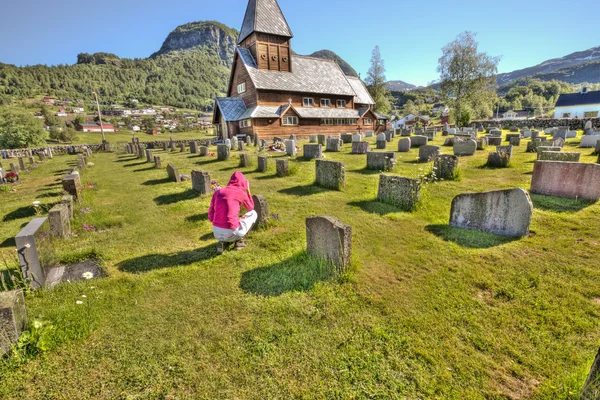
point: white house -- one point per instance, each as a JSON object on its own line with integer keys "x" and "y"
{"x": 135, "y": 128}
{"x": 400, "y": 122}
{"x": 578, "y": 105}
{"x": 78, "y": 109}
{"x": 520, "y": 114}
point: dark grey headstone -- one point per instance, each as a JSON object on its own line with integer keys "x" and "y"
{"x": 404, "y": 145}
{"x": 157, "y": 162}
{"x": 330, "y": 239}
{"x": 36, "y": 251}
{"x": 360, "y": 147}
{"x": 201, "y": 182}
{"x": 13, "y": 319}
{"x": 72, "y": 185}
{"x": 282, "y": 167}
{"x": 445, "y": 166}
{"x": 313, "y": 151}
{"x": 262, "y": 209}
{"x": 173, "y": 173}
{"x": 194, "y": 147}
{"x": 223, "y": 152}
{"x": 381, "y": 161}
{"x": 330, "y": 174}
{"x": 60, "y": 221}
{"x": 149, "y": 157}
{"x": 399, "y": 191}
{"x": 263, "y": 163}
{"x": 245, "y": 160}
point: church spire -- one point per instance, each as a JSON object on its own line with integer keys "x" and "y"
{"x": 264, "y": 16}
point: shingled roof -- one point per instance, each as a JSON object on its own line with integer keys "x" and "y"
{"x": 231, "y": 107}
{"x": 264, "y": 16}
{"x": 362, "y": 94}
{"x": 578, "y": 99}
{"x": 310, "y": 75}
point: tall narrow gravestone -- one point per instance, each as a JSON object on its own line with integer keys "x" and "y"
{"x": 67, "y": 200}
{"x": 282, "y": 167}
{"x": 262, "y": 209}
{"x": 245, "y": 160}
{"x": 223, "y": 152}
{"x": 72, "y": 185}
{"x": 194, "y": 147}
{"x": 13, "y": 319}
{"x": 21, "y": 163}
{"x": 60, "y": 222}
{"x": 263, "y": 163}
{"x": 157, "y": 162}
{"x": 201, "y": 182}
{"x": 290, "y": 148}
{"x": 36, "y": 251}
{"x": 149, "y": 157}
{"x": 173, "y": 173}
{"x": 330, "y": 239}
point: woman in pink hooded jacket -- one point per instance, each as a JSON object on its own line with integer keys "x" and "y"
{"x": 224, "y": 212}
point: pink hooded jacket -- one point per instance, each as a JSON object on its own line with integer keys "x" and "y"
{"x": 226, "y": 203}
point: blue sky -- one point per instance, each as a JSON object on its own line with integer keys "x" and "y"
{"x": 410, "y": 34}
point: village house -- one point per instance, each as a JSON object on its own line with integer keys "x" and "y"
{"x": 94, "y": 127}
{"x": 78, "y": 109}
{"x": 49, "y": 101}
{"x": 519, "y": 114}
{"x": 274, "y": 92}
{"x": 584, "y": 104}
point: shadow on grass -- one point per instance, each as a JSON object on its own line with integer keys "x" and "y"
{"x": 152, "y": 262}
{"x": 154, "y": 182}
{"x": 10, "y": 242}
{"x": 468, "y": 238}
{"x": 135, "y": 164}
{"x": 365, "y": 171}
{"x": 375, "y": 207}
{"x": 175, "y": 197}
{"x": 197, "y": 218}
{"x": 127, "y": 159}
{"x": 231, "y": 168}
{"x": 267, "y": 177}
{"x": 559, "y": 204}
{"x": 302, "y": 191}
{"x": 51, "y": 194}
{"x": 145, "y": 169}
{"x": 22, "y": 212}
{"x": 212, "y": 161}
{"x": 298, "y": 273}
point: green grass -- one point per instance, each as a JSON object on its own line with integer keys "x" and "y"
{"x": 125, "y": 136}
{"x": 426, "y": 311}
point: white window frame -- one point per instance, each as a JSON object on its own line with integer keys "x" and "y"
{"x": 327, "y": 103}
{"x": 308, "y": 102}
{"x": 245, "y": 123}
{"x": 342, "y": 102}
{"x": 289, "y": 120}
{"x": 327, "y": 121}
{"x": 368, "y": 121}
{"x": 241, "y": 88}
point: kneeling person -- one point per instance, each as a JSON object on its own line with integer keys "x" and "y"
{"x": 224, "y": 212}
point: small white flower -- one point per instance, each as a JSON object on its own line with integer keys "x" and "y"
{"x": 36, "y": 203}
{"x": 88, "y": 275}
{"x": 27, "y": 245}
{"x": 84, "y": 296}
{"x": 92, "y": 287}
{"x": 79, "y": 302}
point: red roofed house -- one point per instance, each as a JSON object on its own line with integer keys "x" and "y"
{"x": 95, "y": 127}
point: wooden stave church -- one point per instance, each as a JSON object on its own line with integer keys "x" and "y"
{"x": 284, "y": 93}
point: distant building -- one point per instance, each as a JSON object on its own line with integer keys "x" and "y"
{"x": 135, "y": 128}
{"x": 584, "y": 104}
{"x": 62, "y": 113}
{"x": 134, "y": 101}
{"x": 49, "y": 101}
{"x": 93, "y": 127}
{"x": 78, "y": 109}
{"x": 519, "y": 114}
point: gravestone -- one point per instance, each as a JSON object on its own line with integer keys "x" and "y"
{"x": 13, "y": 319}
{"x": 290, "y": 148}
{"x": 566, "y": 179}
{"x": 591, "y": 387}
{"x": 194, "y": 147}
{"x": 128, "y": 148}
{"x": 330, "y": 174}
{"x": 428, "y": 153}
{"x": 534, "y": 144}
{"x": 173, "y": 173}
{"x": 241, "y": 145}
{"x": 559, "y": 156}
{"x": 588, "y": 141}
{"x": 312, "y": 139}
{"x": 256, "y": 139}
{"x": 223, "y": 152}
{"x": 381, "y": 161}
{"x": 500, "y": 212}
{"x": 157, "y": 162}
{"x": 388, "y": 136}
{"x": 14, "y": 168}
{"x": 149, "y": 157}
{"x": 201, "y": 182}
{"x": 36, "y": 251}
{"x": 334, "y": 144}
{"x": 404, "y": 145}
{"x": 346, "y": 138}
{"x": 381, "y": 141}
{"x": 165, "y": 146}
{"x": 512, "y": 135}
{"x": 515, "y": 141}
{"x": 41, "y": 156}
{"x": 31, "y": 160}
{"x": 360, "y": 147}
{"x": 526, "y": 134}
{"x": 182, "y": 147}
{"x": 496, "y": 132}
{"x": 465, "y": 148}
{"x": 21, "y": 163}
{"x": 292, "y": 137}
{"x": 588, "y": 125}
{"x": 321, "y": 139}
{"x": 282, "y": 167}
{"x": 248, "y": 140}
{"x": 72, "y": 185}
{"x": 534, "y": 135}
{"x": 494, "y": 140}
{"x": 262, "y": 210}
{"x": 357, "y": 137}
{"x": 203, "y": 151}
{"x": 330, "y": 239}
{"x": 498, "y": 160}
{"x": 597, "y": 147}
{"x": 398, "y": 191}
{"x": 60, "y": 221}
{"x": 67, "y": 200}
{"x": 445, "y": 166}
{"x": 245, "y": 160}
{"x": 541, "y": 149}
{"x": 263, "y": 163}
{"x": 140, "y": 153}
{"x": 234, "y": 143}
{"x": 313, "y": 151}
{"x": 505, "y": 149}
{"x": 482, "y": 142}
{"x": 369, "y": 133}
{"x": 418, "y": 141}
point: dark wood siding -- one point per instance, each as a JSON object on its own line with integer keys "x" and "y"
{"x": 241, "y": 75}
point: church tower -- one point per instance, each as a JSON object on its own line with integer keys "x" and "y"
{"x": 266, "y": 34}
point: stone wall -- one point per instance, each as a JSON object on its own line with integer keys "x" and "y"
{"x": 573, "y": 124}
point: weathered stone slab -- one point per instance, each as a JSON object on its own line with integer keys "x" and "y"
{"x": 500, "y": 212}
{"x": 334, "y": 144}
{"x": 505, "y": 149}
{"x": 329, "y": 238}
{"x": 157, "y": 162}
{"x": 201, "y": 182}
{"x": 194, "y": 147}
{"x": 482, "y": 142}
{"x": 418, "y": 141}
{"x": 360, "y": 147}
{"x": 541, "y": 149}
{"x": 380, "y": 144}
{"x": 346, "y": 137}
{"x": 149, "y": 157}
{"x": 445, "y": 166}
{"x": 401, "y": 192}
{"x": 510, "y": 136}
{"x": 589, "y": 141}
{"x": 245, "y": 160}
{"x": 535, "y": 143}
{"x": 13, "y": 319}
{"x": 282, "y": 167}
{"x": 72, "y": 185}
{"x": 515, "y": 141}
{"x": 67, "y": 200}
{"x": 464, "y": 148}
{"x": 357, "y": 137}
{"x": 428, "y": 153}
{"x": 559, "y": 156}
{"x": 369, "y": 133}
{"x": 498, "y": 159}
{"x": 404, "y": 145}
{"x": 203, "y": 151}
{"x": 330, "y": 174}
{"x": 566, "y": 179}
{"x": 173, "y": 173}
{"x": 263, "y": 163}
{"x": 313, "y": 151}
{"x": 241, "y": 145}
{"x": 234, "y": 144}
{"x": 290, "y": 148}
{"x": 381, "y": 161}
{"x": 261, "y": 207}
{"x": 60, "y": 221}
{"x": 494, "y": 140}
{"x": 321, "y": 139}
{"x": 223, "y": 152}
{"x": 312, "y": 139}
{"x": 36, "y": 251}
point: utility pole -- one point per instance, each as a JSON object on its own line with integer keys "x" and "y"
{"x": 100, "y": 117}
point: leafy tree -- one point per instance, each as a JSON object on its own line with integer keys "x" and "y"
{"x": 63, "y": 135}
{"x": 468, "y": 78}
{"x": 20, "y": 129}
{"x": 376, "y": 83}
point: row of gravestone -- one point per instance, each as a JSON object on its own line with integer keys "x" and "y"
{"x": 51, "y": 150}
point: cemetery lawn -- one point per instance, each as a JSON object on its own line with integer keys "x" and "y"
{"x": 427, "y": 311}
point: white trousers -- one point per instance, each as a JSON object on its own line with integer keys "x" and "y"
{"x": 233, "y": 235}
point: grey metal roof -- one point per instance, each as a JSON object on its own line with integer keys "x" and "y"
{"x": 262, "y": 112}
{"x": 310, "y": 75}
{"x": 231, "y": 108}
{"x": 264, "y": 16}
{"x": 577, "y": 99}
{"x": 362, "y": 94}
{"x": 321, "y": 112}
